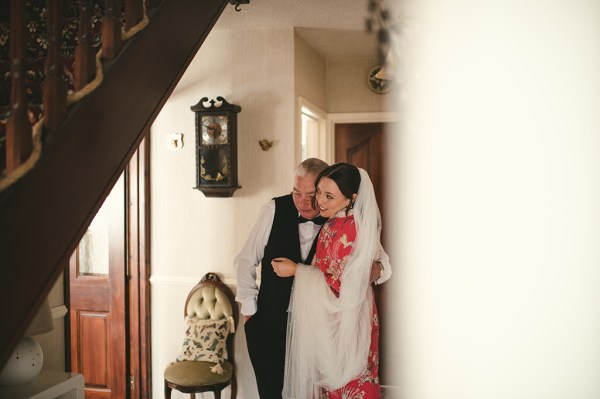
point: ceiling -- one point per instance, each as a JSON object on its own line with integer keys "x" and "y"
{"x": 334, "y": 28}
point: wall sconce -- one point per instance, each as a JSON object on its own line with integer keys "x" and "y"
{"x": 265, "y": 144}
{"x": 174, "y": 141}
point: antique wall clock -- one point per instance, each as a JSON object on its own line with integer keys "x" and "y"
{"x": 216, "y": 147}
{"x": 377, "y": 84}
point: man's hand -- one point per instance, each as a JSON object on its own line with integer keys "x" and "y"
{"x": 283, "y": 267}
{"x": 376, "y": 271}
{"x": 246, "y": 318}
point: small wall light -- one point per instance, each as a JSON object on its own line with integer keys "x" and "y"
{"x": 175, "y": 141}
{"x": 265, "y": 144}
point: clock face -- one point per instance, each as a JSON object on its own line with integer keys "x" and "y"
{"x": 214, "y": 129}
{"x": 378, "y": 85}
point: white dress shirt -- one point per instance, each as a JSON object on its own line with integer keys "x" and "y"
{"x": 250, "y": 257}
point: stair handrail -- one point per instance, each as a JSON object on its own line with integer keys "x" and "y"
{"x": 23, "y": 130}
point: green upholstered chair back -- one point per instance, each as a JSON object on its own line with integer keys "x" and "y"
{"x": 208, "y": 301}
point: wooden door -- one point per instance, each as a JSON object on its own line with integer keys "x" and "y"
{"x": 98, "y": 303}
{"x": 363, "y": 145}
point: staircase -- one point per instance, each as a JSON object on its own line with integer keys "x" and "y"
{"x": 45, "y": 213}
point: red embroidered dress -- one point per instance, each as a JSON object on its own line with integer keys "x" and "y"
{"x": 334, "y": 246}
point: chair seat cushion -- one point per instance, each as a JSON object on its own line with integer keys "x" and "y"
{"x": 191, "y": 374}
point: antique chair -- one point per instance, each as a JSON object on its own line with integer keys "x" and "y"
{"x": 206, "y": 360}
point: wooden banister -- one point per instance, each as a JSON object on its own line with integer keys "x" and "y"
{"x": 18, "y": 128}
{"x": 55, "y": 90}
{"x": 44, "y": 215}
{"x": 111, "y": 30}
{"x": 85, "y": 61}
{"x": 134, "y": 12}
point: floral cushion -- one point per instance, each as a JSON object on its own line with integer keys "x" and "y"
{"x": 205, "y": 340}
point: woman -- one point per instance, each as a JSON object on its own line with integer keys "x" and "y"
{"x": 332, "y": 343}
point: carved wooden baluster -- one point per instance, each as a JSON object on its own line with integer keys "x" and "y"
{"x": 55, "y": 90}
{"x": 85, "y": 61}
{"x": 134, "y": 12}
{"x": 111, "y": 30}
{"x": 18, "y": 128}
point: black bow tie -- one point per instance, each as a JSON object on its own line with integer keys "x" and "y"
{"x": 318, "y": 220}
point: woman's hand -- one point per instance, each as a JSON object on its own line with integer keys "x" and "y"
{"x": 284, "y": 267}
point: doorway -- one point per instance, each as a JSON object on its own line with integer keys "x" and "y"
{"x": 107, "y": 290}
{"x": 313, "y": 137}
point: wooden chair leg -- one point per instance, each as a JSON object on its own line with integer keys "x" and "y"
{"x": 217, "y": 394}
{"x": 167, "y": 391}
{"x": 233, "y": 388}
{"x": 193, "y": 395}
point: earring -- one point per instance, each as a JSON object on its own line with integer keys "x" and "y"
{"x": 348, "y": 207}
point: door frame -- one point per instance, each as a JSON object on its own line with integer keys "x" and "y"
{"x": 317, "y": 144}
{"x": 352, "y": 117}
{"x": 138, "y": 284}
{"x": 137, "y": 297}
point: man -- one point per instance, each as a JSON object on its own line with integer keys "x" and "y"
{"x": 287, "y": 227}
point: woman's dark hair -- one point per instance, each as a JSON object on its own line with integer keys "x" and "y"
{"x": 346, "y": 176}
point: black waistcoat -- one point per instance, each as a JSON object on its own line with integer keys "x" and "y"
{"x": 284, "y": 241}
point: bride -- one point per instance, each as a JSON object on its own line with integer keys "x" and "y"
{"x": 333, "y": 328}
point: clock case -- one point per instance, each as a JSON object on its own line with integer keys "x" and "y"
{"x": 216, "y": 164}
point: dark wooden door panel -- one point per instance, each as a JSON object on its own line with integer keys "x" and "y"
{"x": 87, "y": 293}
{"x": 93, "y": 358}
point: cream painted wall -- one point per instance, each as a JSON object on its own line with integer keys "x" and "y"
{"x": 192, "y": 234}
{"x": 310, "y": 83}
{"x": 310, "y": 73}
{"x": 53, "y": 342}
{"x": 347, "y": 89}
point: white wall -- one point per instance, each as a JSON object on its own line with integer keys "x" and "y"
{"x": 347, "y": 88}
{"x": 192, "y": 234}
{"x": 498, "y": 191}
{"x": 53, "y": 342}
{"x": 310, "y": 73}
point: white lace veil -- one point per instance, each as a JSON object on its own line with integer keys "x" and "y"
{"x": 328, "y": 338}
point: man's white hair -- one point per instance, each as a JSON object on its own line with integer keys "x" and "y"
{"x": 310, "y": 166}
